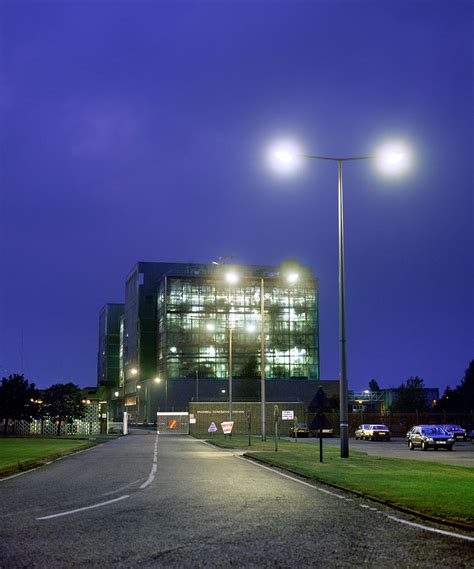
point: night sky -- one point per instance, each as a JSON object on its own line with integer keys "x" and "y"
{"x": 138, "y": 131}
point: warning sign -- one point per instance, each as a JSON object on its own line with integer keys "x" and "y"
{"x": 172, "y": 424}
{"x": 212, "y": 428}
{"x": 227, "y": 427}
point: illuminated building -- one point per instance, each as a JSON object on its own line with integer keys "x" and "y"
{"x": 177, "y": 322}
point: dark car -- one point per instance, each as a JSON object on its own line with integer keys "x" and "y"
{"x": 430, "y": 436}
{"x": 320, "y": 422}
{"x": 456, "y": 431}
{"x": 299, "y": 430}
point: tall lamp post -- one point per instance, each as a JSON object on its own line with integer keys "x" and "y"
{"x": 390, "y": 158}
{"x": 233, "y": 278}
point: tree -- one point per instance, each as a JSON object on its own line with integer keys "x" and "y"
{"x": 248, "y": 386}
{"x": 16, "y": 398}
{"x": 63, "y": 402}
{"x": 411, "y": 396}
{"x": 461, "y": 398}
{"x": 373, "y": 385}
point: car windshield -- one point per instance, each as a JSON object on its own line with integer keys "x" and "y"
{"x": 380, "y": 427}
{"x": 433, "y": 431}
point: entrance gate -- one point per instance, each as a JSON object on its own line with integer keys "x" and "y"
{"x": 173, "y": 423}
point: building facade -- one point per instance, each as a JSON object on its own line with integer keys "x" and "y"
{"x": 183, "y": 326}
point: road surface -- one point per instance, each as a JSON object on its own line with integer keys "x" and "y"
{"x": 170, "y": 501}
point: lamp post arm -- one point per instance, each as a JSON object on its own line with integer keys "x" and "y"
{"x": 336, "y": 159}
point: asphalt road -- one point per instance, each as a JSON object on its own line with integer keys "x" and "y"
{"x": 461, "y": 455}
{"x": 171, "y": 501}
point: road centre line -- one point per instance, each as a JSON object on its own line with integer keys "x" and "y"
{"x": 154, "y": 467}
{"x": 69, "y": 512}
{"x": 391, "y": 517}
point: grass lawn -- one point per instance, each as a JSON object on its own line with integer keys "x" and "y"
{"x": 428, "y": 487}
{"x": 22, "y": 453}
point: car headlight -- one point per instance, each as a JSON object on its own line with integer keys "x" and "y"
{"x": 450, "y": 440}
{"x": 430, "y": 440}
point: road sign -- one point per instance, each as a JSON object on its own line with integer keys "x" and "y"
{"x": 192, "y": 420}
{"x": 227, "y": 427}
{"x": 287, "y": 415}
{"x": 212, "y": 428}
{"x": 172, "y": 424}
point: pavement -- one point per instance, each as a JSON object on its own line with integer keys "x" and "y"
{"x": 174, "y": 501}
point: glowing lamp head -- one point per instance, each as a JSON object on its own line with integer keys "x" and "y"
{"x": 251, "y": 328}
{"x": 232, "y": 277}
{"x": 210, "y": 327}
{"x": 292, "y": 278}
{"x": 134, "y": 371}
{"x": 393, "y": 159}
{"x": 157, "y": 380}
{"x": 284, "y": 157}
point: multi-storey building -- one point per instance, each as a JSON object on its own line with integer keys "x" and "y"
{"x": 185, "y": 325}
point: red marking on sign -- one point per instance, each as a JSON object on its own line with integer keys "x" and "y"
{"x": 172, "y": 424}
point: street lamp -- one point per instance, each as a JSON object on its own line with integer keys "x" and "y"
{"x": 292, "y": 278}
{"x": 392, "y": 159}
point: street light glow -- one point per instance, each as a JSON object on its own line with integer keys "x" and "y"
{"x": 393, "y": 158}
{"x": 232, "y": 277}
{"x": 157, "y": 379}
{"x": 210, "y": 327}
{"x": 292, "y": 277}
{"x": 284, "y": 157}
{"x": 134, "y": 371}
{"x": 251, "y": 328}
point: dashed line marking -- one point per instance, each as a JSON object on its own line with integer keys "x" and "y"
{"x": 154, "y": 467}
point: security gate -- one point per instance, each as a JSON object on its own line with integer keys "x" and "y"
{"x": 174, "y": 423}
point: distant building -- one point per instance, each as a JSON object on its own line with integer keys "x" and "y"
{"x": 170, "y": 342}
{"x": 381, "y": 401}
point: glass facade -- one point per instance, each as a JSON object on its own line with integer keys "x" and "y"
{"x": 195, "y": 315}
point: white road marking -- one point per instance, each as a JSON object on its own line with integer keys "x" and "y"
{"x": 151, "y": 477}
{"x": 18, "y": 474}
{"x": 69, "y": 512}
{"x": 435, "y": 530}
{"x": 390, "y": 517}
{"x": 122, "y": 488}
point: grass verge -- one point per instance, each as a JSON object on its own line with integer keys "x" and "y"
{"x": 17, "y": 454}
{"x": 440, "y": 491}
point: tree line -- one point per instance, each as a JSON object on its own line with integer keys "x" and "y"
{"x": 21, "y": 400}
{"x": 411, "y": 395}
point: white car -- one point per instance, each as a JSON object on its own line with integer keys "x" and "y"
{"x": 377, "y": 433}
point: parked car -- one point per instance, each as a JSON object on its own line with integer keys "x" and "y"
{"x": 327, "y": 429}
{"x": 360, "y": 431}
{"x": 373, "y": 432}
{"x": 456, "y": 431}
{"x": 299, "y": 430}
{"x": 430, "y": 436}
{"x": 409, "y": 432}
{"x": 378, "y": 433}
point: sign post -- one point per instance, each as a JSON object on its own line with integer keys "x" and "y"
{"x": 321, "y": 403}
{"x": 249, "y": 424}
{"x": 275, "y": 418}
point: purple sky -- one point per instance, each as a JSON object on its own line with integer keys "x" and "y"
{"x": 137, "y": 131}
